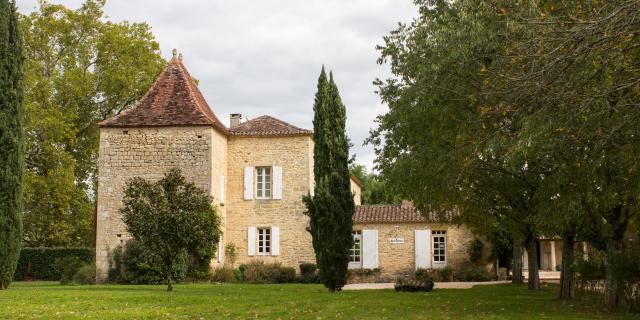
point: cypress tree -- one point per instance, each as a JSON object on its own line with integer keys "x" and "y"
{"x": 331, "y": 208}
{"x": 11, "y": 141}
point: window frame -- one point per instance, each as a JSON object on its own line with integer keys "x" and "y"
{"x": 441, "y": 254}
{"x": 260, "y": 185}
{"x": 357, "y": 240}
{"x": 264, "y": 246}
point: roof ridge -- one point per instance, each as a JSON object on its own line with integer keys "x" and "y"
{"x": 194, "y": 92}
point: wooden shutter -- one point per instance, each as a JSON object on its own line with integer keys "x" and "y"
{"x": 248, "y": 183}
{"x": 423, "y": 249}
{"x": 220, "y": 251}
{"x": 369, "y": 249}
{"x": 251, "y": 241}
{"x": 277, "y": 182}
{"x": 275, "y": 241}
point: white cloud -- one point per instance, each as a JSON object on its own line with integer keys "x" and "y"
{"x": 264, "y": 57}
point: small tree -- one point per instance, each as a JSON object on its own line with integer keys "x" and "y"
{"x": 11, "y": 141}
{"x": 170, "y": 217}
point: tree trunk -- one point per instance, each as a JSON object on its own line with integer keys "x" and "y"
{"x": 532, "y": 260}
{"x": 169, "y": 281}
{"x": 516, "y": 265}
{"x": 612, "y": 294}
{"x": 567, "y": 272}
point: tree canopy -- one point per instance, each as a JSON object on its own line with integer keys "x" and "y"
{"x": 170, "y": 217}
{"x": 80, "y": 69}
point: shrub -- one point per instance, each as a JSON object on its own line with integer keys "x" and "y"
{"x": 198, "y": 267}
{"x": 472, "y": 273}
{"x": 68, "y": 267}
{"x": 259, "y": 272}
{"x": 224, "y": 274}
{"x": 308, "y": 273}
{"x": 39, "y": 263}
{"x": 116, "y": 269}
{"x": 413, "y": 285}
{"x": 142, "y": 266}
{"x": 231, "y": 253}
{"x": 85, "y": 275}
{"x": 475, "y": 250}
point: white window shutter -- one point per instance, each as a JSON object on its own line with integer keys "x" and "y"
{"x": 275, "y": 241}
{"x": 221, "y": 189}
{"x": 251, "y": 241}
{"x": 423, "y": 249}
{"x": 248, "y": 183}
{"x": 220, "y": 251}
{"x": 277, "y": 182}
{"x": 369, "y": 249}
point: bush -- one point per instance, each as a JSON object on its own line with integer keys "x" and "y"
{"x": 472, "y": 273}
{"x": 141, "y": 266}
{"x": 413, "y": 285}
{"x": 308, "y": 273}
{"x": 116, "y": 269}
{"x": 475, "y": 250}
{"x": 69, "y": 266}
{"x": 85, "y": 275}
{"x": 259, "y": 272}
{"x": 224, "y": 274}
{"x": 39, "y": 263}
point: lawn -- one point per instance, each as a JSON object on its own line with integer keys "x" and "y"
{"x": 47, "y": 300}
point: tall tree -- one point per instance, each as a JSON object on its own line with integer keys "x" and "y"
{"x": 444, "y": 143}
{"x": 11, "y": 141}
{"x": 374, "y": 190}
{"x": 331, "y": 207}
{"x": 80, "y": 69}
{"x": 171, "y": 217}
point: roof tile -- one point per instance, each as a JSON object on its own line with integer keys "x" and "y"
{"x": 388, "y": 213}
{"x": 267, "y": 126}
{"x": 173, "y": 100}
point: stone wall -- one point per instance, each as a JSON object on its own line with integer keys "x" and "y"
{"x": 147, "y": 152}
{"x": 399, "y": 258}
{"x": 294, "y": 155}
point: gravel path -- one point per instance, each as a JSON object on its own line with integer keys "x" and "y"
{"x": 438, "y": 285}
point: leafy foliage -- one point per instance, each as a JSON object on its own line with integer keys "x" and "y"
{"x": 374, "y": 190}
{"x": 143, "y": 266}
{"x": 40, "y": 263}
{"x": 171, "y": 218}
{"x": 11, "y": 141}
{"x": 80, "y": 69}
{"x": 331, "y": 207}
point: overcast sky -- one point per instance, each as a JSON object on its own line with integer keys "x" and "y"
{"x": 264, "y": 57}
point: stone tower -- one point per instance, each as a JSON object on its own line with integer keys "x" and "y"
{"x": 171, "y": 126}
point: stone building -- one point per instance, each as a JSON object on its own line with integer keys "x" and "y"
{"x": 257, "y": 171}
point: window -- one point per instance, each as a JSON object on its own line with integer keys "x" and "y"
{"x": 263, "y": 182}
{"x": 439, "y": 246}
{"x": 264, "y": 241}
{"x": 355, "y": 253}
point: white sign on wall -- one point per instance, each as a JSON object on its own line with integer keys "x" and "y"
{"x": 396, "y": 240}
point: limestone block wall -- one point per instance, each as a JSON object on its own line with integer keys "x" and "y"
{"x": 146, "y": 152}
{"x": 294, "y": 155}
{"x": 399, "y": 258}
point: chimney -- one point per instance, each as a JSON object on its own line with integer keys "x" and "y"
{"x": 235, "y": 119}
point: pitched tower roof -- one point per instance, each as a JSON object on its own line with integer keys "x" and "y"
{"x": 173, "y": 100}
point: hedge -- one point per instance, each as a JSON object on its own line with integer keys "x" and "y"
{"x": 39, "y": 263}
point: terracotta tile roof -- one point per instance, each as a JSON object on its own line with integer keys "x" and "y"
{"x": 173, "y": 100}
{"x": 387, "y": 213}
{"x": 356, "y": 180}
{"x": 267, "y": 126}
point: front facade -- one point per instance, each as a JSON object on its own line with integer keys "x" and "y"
{"x": 257, "y": 172}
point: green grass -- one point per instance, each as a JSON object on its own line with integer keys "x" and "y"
{"x": 47, "y": 300}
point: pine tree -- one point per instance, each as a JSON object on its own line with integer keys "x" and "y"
{"x": 331, "y": 208}
{"x": 11, "y": 141}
